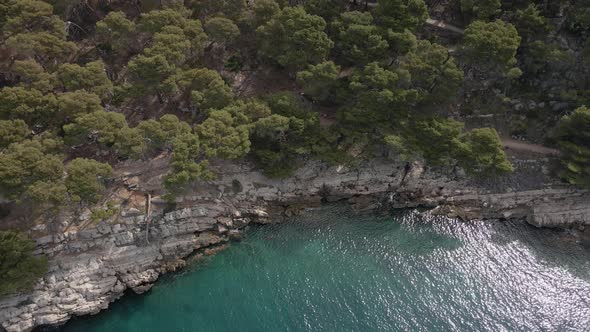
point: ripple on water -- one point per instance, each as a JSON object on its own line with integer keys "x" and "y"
{"x": 329, "y": 270}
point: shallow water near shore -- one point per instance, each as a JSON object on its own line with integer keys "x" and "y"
{"x": 331, "y": 270}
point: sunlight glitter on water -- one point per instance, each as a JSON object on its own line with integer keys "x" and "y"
{"x": 329, "y": 270}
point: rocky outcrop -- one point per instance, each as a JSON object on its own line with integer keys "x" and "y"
{"x": 541, "y": 208}
{"x": 92, "y": 267}
{"x": 92, "y": 264}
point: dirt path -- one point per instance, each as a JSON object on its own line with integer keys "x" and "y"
{"x": 445, "y": 26}
{"x": 515, "y": 145}
{"x": 429, "y": 21}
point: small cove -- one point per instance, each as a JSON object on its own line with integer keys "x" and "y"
{"x": 332, "y": 270}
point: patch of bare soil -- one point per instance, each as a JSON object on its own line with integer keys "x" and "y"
{"x": 327, "y": 115}
{"x": 521, "y": 146}
{"x": 142, "y": 175}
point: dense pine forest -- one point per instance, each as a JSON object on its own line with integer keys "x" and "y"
{"x": 86, "y": 84}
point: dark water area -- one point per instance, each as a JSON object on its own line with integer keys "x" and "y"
{"x": 330, "y": 270}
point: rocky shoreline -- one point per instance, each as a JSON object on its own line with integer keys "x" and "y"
{"x": 93, "y": 263}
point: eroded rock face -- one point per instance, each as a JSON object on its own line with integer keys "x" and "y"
{"x": 93, "y": 265}
{"x": 542, "y": 208}
{"x": 91, "y": 268}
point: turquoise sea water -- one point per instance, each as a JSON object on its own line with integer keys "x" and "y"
{"x": 329, "y": 270}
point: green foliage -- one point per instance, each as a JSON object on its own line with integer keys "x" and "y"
{"x": 193, "y": 30}
{"x": 72, "y": 104}
{"x": 382, "y": 96}
{"x": 275, "y": 164}
{"x": 328, "y": 149}
{"x": 116, "y": 32}
{"x": 172, "y": 126}
{"x": 359, "y": 41}
{"x": 392, "y": 91}
{"x": 52, "y": 193}
{"x": 320, "y": 82}
{"x": 438, "y": 140}
{"x": 433, "y": 72}
{"x": 373, "y": 79}
{"x": 29, "y": 165}
{"x": 263, "y": 11}
{"x": 169, "y": 26}
{"x": 109, "y": 130}
{"x": 233, "y": 9}
{"x": 540, "y": 56}
{"x": 398, "y": 147}
{"x": 31, "y": 15}
{"x": 248, "y": 110}
{"x": 4, "y": 8}
{"x": 175, "y": 37}
{"x": 272, "y": 127}
{"x": 467, "y": 6}
{"x": 155, "y": 20}
{"x": 328, "y": 9}
{"x": 279, "y": 140}
{"x": 205, "y": 87}
{"x": 234, "y": 63}
{"x": 221, "y": 30}
{"x": 578, "y": 17}
{"x": 171, "y": 44}
{"x": 130, "y": 143}
{"x": 186, "y": 149}
{"x": 443, "y": 141}
{"x": 173, "y": 4}
{"x": 529, "y": 21}
{"x": 86, "y": 178}
{"x": 573, "y": 137}
{"x": 482, "y": 9}
{"x": 401, "y": 42}
{"x": 223, "y": 135}
{"x": 485, "y": 154}
{"x": 514, "y": 73}
{"x": 30, "y": 29}
{"x": 176, "y": 41}
{"x": 294, "y": 38}
{"x": 100, "y": 126}
{"x": 13, "y": 131}
{"x": 44, "y": 47}
{"x": 104, "y": 213}
{"x": 32, "y": 75}
{"x": 153, "y": 134}
{"x": 270, "y": 149}
{"x": 150, "y": 75}
{"x": 30, "y": 105}
{"x": 399, "y": 15}
{"x": 159, "y": 134}
{"x": 19, "y": 269}
{"x": 491, "y": 45}
{"x": 288, "y": 104}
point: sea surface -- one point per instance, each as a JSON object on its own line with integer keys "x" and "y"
{"x": 331, "y": 270}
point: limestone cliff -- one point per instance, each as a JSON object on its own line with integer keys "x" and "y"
{"x": 93, "y": 263}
